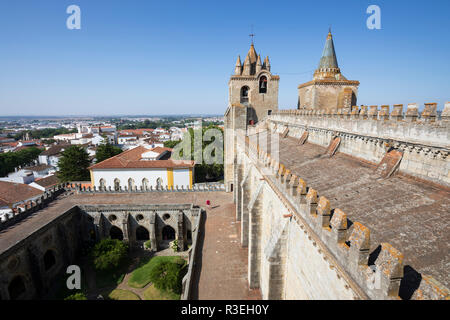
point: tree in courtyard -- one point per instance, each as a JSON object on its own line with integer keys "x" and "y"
{"x": 109, "y": 254}
{"x": 106, "y": 151}
{"x": 168, "y": 275}
{"x": 73, "y": 164}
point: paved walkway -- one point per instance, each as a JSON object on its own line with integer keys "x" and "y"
{"x": 223, "y": 262}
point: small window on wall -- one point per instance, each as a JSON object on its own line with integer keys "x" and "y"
{"x": 263, "y": 84}
{"x": 269, "y": 112}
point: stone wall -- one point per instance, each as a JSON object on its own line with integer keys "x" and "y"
{"x": 29, "y": 268}
{"x": 319, "y": 96}
{"x": 423, "y": 142}
{"x": 128, "y": 218}
{"x": 193, "y": 255}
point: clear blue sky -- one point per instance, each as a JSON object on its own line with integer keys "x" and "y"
{"x": 172, "y": 57}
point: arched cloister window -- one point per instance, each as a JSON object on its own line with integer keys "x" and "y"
{"x": 49, "y": 259}
{"x": 158, "y": 183}
{"x": 244, "y": 94}
{"x": 116, "y": 233}
{"x": 130, "y": 184}
{"x": 263, "y": 84}
{"x": 116, "y": 184}
{"x": 16, "y": 287}
{"x": 168, "y": 233}
{"x": 102, "y": 184}
{"x": 142, "y": 234}
{"x": 145, "y": 183}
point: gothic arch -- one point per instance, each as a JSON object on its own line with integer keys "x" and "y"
{"x": 142, "y": 234}
{"x": 116, "y": 184}
{"x": 245, "y": 92}
{"x": 116, "y": 233}
{"x": 262, "y": 84}
{"x": 130, "y": 184}
{"x": 145, "y": 184}
{"x": 49, "y": 259}
{"x": 102, "y": 184}
{"x": 16, "y": 287}
{"x": 168, "y": 233}
{"x": 159, "y": 183}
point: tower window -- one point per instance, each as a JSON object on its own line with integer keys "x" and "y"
{"x": 244, "y": 94}
{"x": 263, "y": 84}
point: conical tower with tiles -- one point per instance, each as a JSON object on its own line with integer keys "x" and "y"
{"x": 328, "y": 89}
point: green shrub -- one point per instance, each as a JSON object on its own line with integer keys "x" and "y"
{"x": 175, "y": 245}
{"x": 148, "y": 244}
{"x": 168, "y": 275}
{"x": 76, "y": 296}
{"x": 109, "y": 254}
{"x": 141, "y": 276}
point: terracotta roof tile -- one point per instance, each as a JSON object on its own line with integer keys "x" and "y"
{"x": 11, "y": 192}
{"x": 132, "y": 159}
{"x": 47, "y": 182}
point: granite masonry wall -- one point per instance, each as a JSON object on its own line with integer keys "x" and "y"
{"x": 297, "y": 249}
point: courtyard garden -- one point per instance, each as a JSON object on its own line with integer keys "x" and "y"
{"x": 110, "y": 271}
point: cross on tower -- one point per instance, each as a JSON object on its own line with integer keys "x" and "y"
{"x": 251, "y": 35}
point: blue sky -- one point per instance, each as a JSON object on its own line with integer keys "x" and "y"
{"x": 175, "y": 57}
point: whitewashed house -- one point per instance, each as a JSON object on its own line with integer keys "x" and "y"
{"x": 141, "y": 168}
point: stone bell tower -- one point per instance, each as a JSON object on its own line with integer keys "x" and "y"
{"x": 252, "y": 95}
{"x": 254, "y": 86}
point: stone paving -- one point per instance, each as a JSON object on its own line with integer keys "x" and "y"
{"x": 223, "y": 272}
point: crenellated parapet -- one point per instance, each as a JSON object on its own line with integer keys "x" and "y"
{"x": 385, "y": 113}
{"x": 344, "y": 244}
{"x": 79, "y": 188}
{"x": 30, "y": 207}
{"x": 368, "y": 132}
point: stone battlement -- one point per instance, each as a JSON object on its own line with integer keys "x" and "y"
{"x": 378, "y": 274}
{"x": 195, "y": 188}
{"x": 30, "y": 207}
{"x": 424, "y": 145}
{"x": 410, "y": 126}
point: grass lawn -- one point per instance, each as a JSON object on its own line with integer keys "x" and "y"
{"x": 119, "y": 294}
{"x": 140, "y": 277}
{"x": 110, "y": 278}
{"x": 151, "y": 293}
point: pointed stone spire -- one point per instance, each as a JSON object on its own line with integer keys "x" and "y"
{"x": 267, "y": 63}
{"x": 328, "y": 65}
{"x": 238, "y": 66}
{"x": 247, "y": 67}
{"x": 252, "y": 54}
{"x": 258, "y": 64}
{"x": 328, "y": 59}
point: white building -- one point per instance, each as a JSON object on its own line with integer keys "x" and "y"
{"x": 52, "y": 155}
{"x": 141, "y": 168}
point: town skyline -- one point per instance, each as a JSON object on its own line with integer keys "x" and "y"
{"x": 138, "y": 58}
